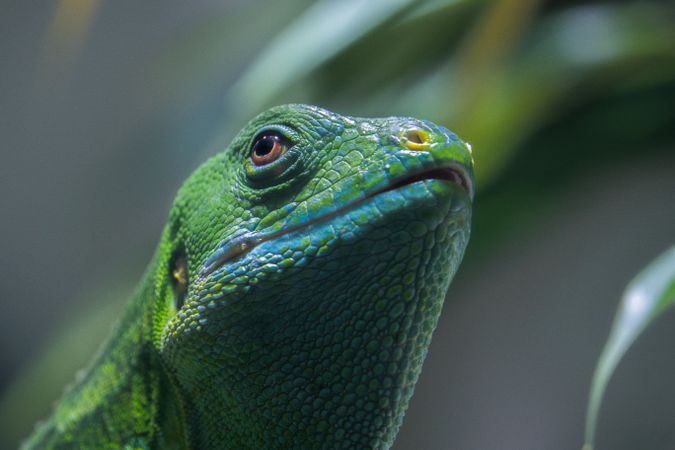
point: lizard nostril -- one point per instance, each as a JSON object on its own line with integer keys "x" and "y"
{"x": 416, "y": 139}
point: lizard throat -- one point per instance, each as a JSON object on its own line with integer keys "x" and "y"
{"x": 243, "y": 244}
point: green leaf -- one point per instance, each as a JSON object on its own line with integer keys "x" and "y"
{"x": 647, "y": 296}
{"x": 430, "y": 7}
{"x": 320, "y": 33}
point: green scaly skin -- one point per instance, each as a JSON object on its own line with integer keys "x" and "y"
{"x": 314, "y": 284}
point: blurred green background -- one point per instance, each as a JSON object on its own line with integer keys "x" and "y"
{"x": 105, "y": 107}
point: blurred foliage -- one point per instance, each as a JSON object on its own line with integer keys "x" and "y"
{"x": 647, "y": 297}
{"x": 544, "y": 90}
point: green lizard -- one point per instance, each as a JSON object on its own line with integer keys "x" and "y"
{"x": 292, "y": 297}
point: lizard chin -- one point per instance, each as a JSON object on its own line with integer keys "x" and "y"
{"x": 243, "y": 244}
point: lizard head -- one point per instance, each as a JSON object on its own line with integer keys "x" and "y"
{"x": 302, "y": 274}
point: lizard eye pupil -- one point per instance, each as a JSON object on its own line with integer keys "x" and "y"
{"x": 269, "y": 147}
{"x": 179, "y": 278}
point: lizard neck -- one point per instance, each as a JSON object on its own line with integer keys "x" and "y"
{"x": 338, "y": 367}
{"x": 124, "y": 397}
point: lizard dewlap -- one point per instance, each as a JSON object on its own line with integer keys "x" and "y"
{"x": 292, "y": 297}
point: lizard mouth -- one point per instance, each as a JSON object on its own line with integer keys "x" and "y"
{"x": 243, "y": 244}
{"x": 453, "y": 174}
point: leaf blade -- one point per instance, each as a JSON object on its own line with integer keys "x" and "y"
{"x": 323, "y": 31}
{"x": 646, "y": 297}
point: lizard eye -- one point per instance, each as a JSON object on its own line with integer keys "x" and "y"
{"x": 179, "y": 278}
{"x": 268, "y": 147}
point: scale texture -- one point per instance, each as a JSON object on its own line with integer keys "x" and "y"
{"x": 292, "y": 297}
